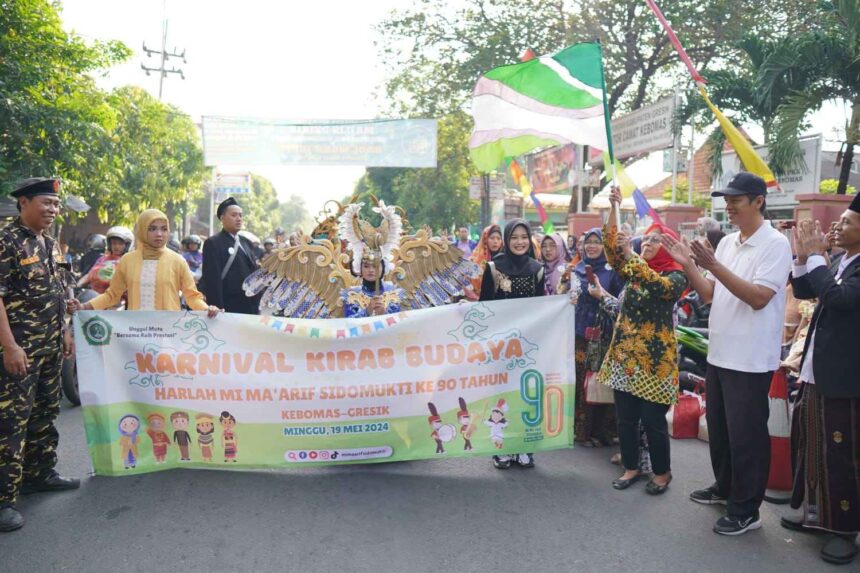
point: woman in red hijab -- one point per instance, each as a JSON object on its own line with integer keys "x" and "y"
{"x": 641, "y": 363}
{"x": 490, "y": 245}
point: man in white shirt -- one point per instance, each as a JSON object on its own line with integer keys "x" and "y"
{"x": 826, "y": 425}
{"x": 745, "y": 285}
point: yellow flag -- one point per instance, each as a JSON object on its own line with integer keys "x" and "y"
{"x": 749, "y": 158}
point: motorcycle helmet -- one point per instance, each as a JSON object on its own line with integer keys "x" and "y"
{"x": 120, "y": 233}
{"x": 269, "y": 241}
{"x": 195, "y": 239}
{"x": 96, "y": 242}
{"x": 174, "y": 246}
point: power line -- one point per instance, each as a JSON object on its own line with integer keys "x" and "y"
{"x": 165, "y": 57}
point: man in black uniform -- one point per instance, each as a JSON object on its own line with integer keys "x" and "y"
{"x": 34, "y": 340}
{"x": 228, "y": 259}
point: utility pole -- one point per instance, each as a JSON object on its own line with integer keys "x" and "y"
{"x": 164, "y": 56}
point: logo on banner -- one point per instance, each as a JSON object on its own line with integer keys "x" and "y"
{"x": 97, "y": 331}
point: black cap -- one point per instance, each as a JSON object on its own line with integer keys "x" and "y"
{"x": 855, "y": 204}
{"x": 228, "y": 202}
{"x": 744, "y": 184}
{"x": 37, "y": 186}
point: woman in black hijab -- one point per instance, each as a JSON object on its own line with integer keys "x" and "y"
{"x": 514, "y": 273}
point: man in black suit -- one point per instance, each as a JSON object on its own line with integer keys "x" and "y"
{"x": 228, "y": 259}
{"x": 826, "y": 425}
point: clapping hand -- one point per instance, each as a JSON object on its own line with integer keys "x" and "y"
{"x": 809, "y": 240}
{"x": 703, "y": 254}
{"x": 678, "y": 250}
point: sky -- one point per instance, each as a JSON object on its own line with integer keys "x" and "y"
{"x": 276, "y": 59}
{"x": 285, "y": 59}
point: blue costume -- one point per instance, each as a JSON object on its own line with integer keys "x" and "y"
{"x": 357, "y": 299}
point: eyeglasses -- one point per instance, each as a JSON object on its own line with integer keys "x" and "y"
{"x": 652, "y": 239}
{"x": 593, "y": 242}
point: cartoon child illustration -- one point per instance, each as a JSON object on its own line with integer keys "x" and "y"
{"x": 179, "y": 421}
{"x": 497, "y": 423}
{"x": 435, "y": 421}
{"x": 129, "y": 425}
{"x": 228, "y": 437}
{"x": 160, "y": 440}
{"x": 205, "y": 437}
{"x": 467, "y": 428}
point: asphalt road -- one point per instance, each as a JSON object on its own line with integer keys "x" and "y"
{"x": 446, "y": 515}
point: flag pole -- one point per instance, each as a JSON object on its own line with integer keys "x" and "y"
{"x": 608, "y": 124}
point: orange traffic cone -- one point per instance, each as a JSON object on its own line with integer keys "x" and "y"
{"x": 779, "y": 481}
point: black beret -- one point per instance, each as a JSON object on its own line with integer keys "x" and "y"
{"x": 37, "y": 186}
{"x": 229, "y": 201}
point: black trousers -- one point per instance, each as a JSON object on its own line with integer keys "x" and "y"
{"x": 737, "y": 413}
{"x": 630, "y": 410}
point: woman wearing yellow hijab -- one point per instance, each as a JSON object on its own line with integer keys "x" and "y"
{"x": 152, "y": 274}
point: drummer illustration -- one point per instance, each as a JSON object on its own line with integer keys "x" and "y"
{"x": 497, "y": 423}
{"x": 441, "y": 432}
{"x": 467, "y": 427}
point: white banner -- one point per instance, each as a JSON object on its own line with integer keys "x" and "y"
{"x": 161, "y": 389}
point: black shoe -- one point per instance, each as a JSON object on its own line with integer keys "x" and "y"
{"x": 10, "y": 518}
{"x": 796, "y": 525}
{"x": 730, "y": 525}
{"x": 656, "y": 489}
{"x": 55, "y": 482}
{"x": 622, "y": 483}
{"x": 708, "y": 496}
{"x": 524, "y": 460}
{"x": 839, "y": 550}
{"x": 501, "y": 462}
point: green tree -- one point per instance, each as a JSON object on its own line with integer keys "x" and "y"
{"x": 440, "y": 197}
{"x": 293, "y": 213}
{"x": 261, "y": 208}
{"x": 828, "y": 59}
{"x": 53, "y": 118}
{"x": 639, "y": 59}
{"x": 155, "y": 156}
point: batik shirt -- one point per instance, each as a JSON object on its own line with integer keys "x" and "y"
{"x": 357, "y": 299}
{"x": 642, "y": 357}
{"x": 32, "y": 286}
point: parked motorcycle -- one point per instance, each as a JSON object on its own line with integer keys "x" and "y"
{"x": 692, "y": 356}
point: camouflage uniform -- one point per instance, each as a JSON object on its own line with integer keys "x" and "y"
{"x": 32, "y": 286}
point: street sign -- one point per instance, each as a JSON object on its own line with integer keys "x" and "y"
{"x": 232, "y": 183}
{"x": 647, "y": 129}
{"x": 800, "y": 180}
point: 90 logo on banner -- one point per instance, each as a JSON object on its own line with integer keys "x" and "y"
{"x": 546, "y": 403}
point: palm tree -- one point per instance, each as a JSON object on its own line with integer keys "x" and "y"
{"x": 826, "y": 63}
{"x": 736, "y": 90}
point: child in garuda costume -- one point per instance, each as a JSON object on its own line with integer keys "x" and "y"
{"x": 390, "y": 272}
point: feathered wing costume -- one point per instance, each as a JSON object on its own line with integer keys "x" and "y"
{"x": 313, "y": 279}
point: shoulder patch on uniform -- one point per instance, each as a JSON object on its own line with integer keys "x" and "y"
{"x": 30, "y": 260}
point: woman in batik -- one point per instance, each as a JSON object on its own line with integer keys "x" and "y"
{"x": 641, "y": 363}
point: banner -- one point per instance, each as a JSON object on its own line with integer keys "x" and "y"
{"x": 551, "y": 170}
{"x": 365, "y": 143}
{"x": 163, "y": 390}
